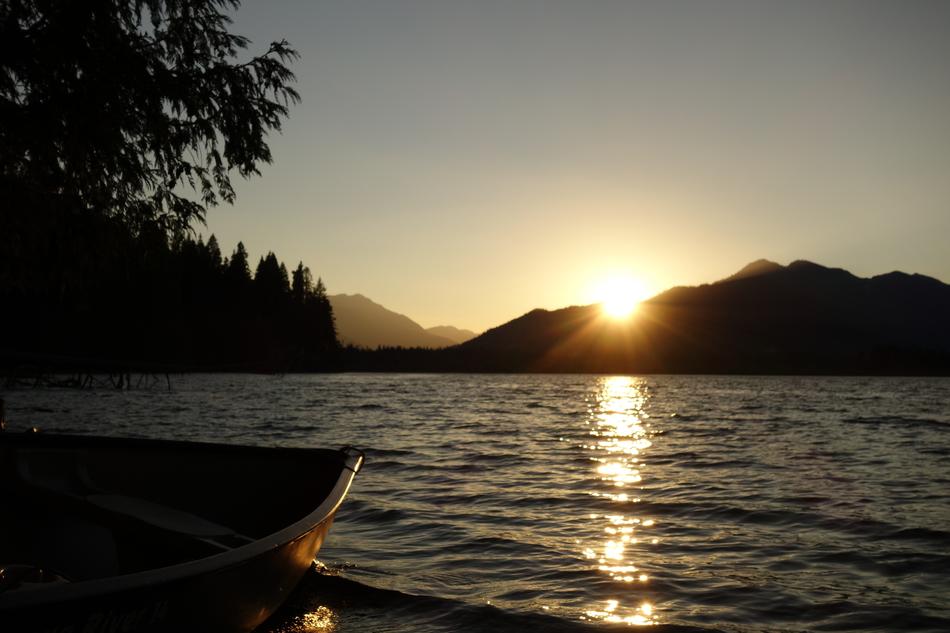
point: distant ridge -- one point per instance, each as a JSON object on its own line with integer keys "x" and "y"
{"x": 755, "y": 269}
{"x": 454, "y": 334}
{"x": 365, "y": 323}
{"x": 803, "y": 318}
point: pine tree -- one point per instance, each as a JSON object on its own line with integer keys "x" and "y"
{"x": 238, "y": 270}
{"x": 214, "y": 252}
{"x": 301, "y": 287}
{"x": 284, "y": 279}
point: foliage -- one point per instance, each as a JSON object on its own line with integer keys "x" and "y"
{"x": 117, "y": 108}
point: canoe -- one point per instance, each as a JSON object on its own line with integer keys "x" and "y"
{"x": 118, "y": 535}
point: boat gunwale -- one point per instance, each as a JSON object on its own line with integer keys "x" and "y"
{"x": 143, "y": 580}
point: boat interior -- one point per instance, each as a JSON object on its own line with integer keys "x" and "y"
{"x": 77, "y": 508}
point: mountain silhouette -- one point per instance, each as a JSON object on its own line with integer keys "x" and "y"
{"x": 755, "y": 269}
{"x": 365, "y": 323}
{"x": 454, "y": 334}
{"x": 803, "y": 318}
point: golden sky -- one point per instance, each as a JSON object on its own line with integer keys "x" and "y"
{"x": 465, "y": 162}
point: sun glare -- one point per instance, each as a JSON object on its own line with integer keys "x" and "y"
{"x": 620, "y": 296}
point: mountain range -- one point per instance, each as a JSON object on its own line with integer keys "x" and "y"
{"x": 365, "y": 323}
{"x": 802, "y": 318}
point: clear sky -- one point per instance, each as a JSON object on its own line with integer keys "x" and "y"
{"x": 465, "y": 162}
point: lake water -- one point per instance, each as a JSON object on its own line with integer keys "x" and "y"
{"x": 572, "y": 503}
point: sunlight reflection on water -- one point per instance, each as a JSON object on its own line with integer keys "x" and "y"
{"x": 617, "y": 420}
{"x": 320, "y": 619}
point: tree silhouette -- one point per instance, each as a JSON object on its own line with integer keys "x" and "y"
{"x": 322, "y": 313}
{"x": 121, "y": 123}
{"x": 214, "y": 253}
{"x": 270, "y": 281}
{"x": 237, "y": 268}
{"x": 301, "y": 285}
{"x": 116, "y": 108}
{"x": 320, "y": 292}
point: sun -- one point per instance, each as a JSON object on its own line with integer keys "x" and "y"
{"x": 619, "y": 296}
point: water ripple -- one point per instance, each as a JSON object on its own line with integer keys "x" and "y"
{"x": 577, "y": 503}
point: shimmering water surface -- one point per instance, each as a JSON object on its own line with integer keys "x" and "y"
{"x": 515, "y": 502}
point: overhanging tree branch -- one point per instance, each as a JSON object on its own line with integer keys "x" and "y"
{"x": 117, "y": 108}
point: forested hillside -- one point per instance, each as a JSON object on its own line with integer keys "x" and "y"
{"x": 110, "y": 297}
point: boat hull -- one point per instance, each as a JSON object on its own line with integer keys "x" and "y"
{"x": 230, "y": 591}
{"x": 235, "y": 598}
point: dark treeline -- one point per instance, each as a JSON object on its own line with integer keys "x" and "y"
{"x": 399, "y": 359}
{"x": 97, "y": 295}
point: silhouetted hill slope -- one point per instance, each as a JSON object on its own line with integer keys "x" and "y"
{"x": 363, "y": 322}
{"x": 454, "y": 334}
{"x": 756, "y": 268}
{"x": 800, "y": 318}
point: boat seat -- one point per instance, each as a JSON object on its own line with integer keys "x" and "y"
{"x": 161, "y": 516}
{"x": 48, "y": 471}
{"x": 169, "y": 519}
